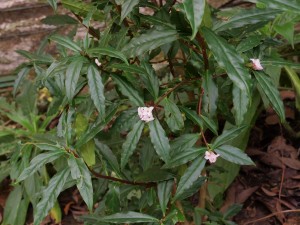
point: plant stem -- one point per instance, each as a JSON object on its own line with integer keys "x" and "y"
{"x": 202, "y": 44}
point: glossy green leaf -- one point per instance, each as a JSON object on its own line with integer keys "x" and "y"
{"x": 159, "y": 140}
{"x": 227, "y": 135}
{"x": 81, "y": 174}
{"x": 173, "y": 115}
{"x": 286, "y": 30}
{"x": 131, "y": 142}
{"x": 66, "y": 42}
{"x": 246, "y": 17}
{"x": 96, "y": 89}
{"x": 128, "y": 68}
{"x": 210, "y": 95}
{"x": 192, "y": 173}
{"x": 194, "y": 10}
{"x": 164, "y": 190}
{"x": 38, "y": 161}
{"x": 184, "y": 156}
{"x": 154, "y": 174}
{"x": 21, "y": 75}
{"x": 210, "y": 124}
{"x": 249, "y": 43}
{"x": 193, "y": 116}
{"x": 87, "y": 152}
{"x": 241, "y": 103}
{"x": 48, "y": 147}
{"x": 195, "y": 187}
{"x": 108, "y": 155}
{"x": 107, "y": 51}
{"x": 183, "y": 142}
{"x": 97, "y": 126}
{"x": 120, "y": 218}
{"x": 53, "y": 4}
{"x": 127, "y": 7}
{"x": 296, "y": 83}
{"x": 72, "y": 76}
{"x": 128, "y": 90}
{"x": 229, "y": 59}
{"x": 150, "y": 79}
{"x": 158, "y": 21}
{"x": 59, "y": 20}
{"x": 269, "y": 89}
{"x": 233, "y": 154}
{"x": 290, "y": 5}
{"x": 149, "y": 41}
{"x": 50, "y": 195}
{"x": 280, "y": 63}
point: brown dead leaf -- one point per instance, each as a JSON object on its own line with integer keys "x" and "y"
{"x": 67, "y": 207}
{"x": 292, "y": 163}
{"x": 268, "y": 193}
{"x": 273, "y": 119}
{"x": 286, "y": 94}
{"x": 271, "y": 160}
{"x": 245, "y": 194}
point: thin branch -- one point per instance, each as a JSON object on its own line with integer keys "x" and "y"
{"x": 91, "y": 31}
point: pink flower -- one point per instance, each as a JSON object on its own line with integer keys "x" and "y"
{"x": 145, "y": 113}
{"x": 146, "y": 11}
{"x": 256, "y": 64}
{"x": 211, "y": 156}
{"x": 97, "y": 62}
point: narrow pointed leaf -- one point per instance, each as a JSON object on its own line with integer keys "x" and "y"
{"x": 72, "y": 76}
{"x": 128, "y": 90}
{"x": 127, "y": 7}
{"x": 96, "y": 88}
{"x": 21, "y": 75}
{"x": 50, "y": 195}
{"x": 53, "y": 4}
{"x": 290, "y": 5}
{"x": 38, "y": 161}
{"x": 159, "y": 140}
{"x": 131, "y": 142}
{"x": 81, "y": 174}
{"x": 164, "y": 190}
{"x": 193, "y": 116}
{"x": 210, "y": 124}
{"x": 233, "y": 154}
{"x": 210, "y": 96}
{"x": 107, "y": 51}
{"x": 183, "y": 142}
{"x": 192, "y": 173}
{"x": 128, "y": 68}
{"x": 269, "y": 89}
{"x": 194, "y": 10}
{"x": 280, "y": 63}
{"x": 149, "y": 41}
{"x": 66, "y": 42}
{"x": 150, "y": 79}
{"x": 173, "y": 115}
{"x": 241, "y": 102}
{"x": 228, "y": 58}
{"x": 227, "y": 135}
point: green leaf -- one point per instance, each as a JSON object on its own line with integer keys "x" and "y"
{"x": 287, "y": 31}
{"x": 164, "y": 190}
{"x": 120, "y": 218}
{"x": 173, "y": 115}
{"x": 159, "y": 140}
{"x": 210, "y": 124}
{"x": 227, "y": 135}
{"x": 108, "y": 155}
{"x": 249, "y": 43}
{"x": 192, "y": 173}
{"x": 66, "y": 42}
{"x": 38, "y": 161}
{"x": 21, "y": 75}
{"x": 48, "y": 147}
{"x": 150, "y": 79}
{"x": 229, "y": 59}
{"x": 107, "y": 51}
{"x": 280, "y": 63}
{"x": 149, "y": 41}
{"x": 184, "y": 156}
{"x": 194, "y": 10}
{"x": 233, "y": 154}
{"x": 50, "y": 195}
{"x": 246, "y": 17}
{"x": 241, "y": 102}
{"x": 59, "y": 20}
{"x": 296, "y": 83}
{"x": 97, "y": 89}
{"x": 87, "y": 151}
{"x": 131, "y": 142}
{"x": 210, "y": 95}
{"x": 128, "y": 90}
{"x": 183, "y": 142}
{"x": 269, "y": 89}
{"x": 72, "y": 76}
{"x": 154, "y": 174}
{"x": 81, "y": 174}
{"x": 96, "y": 127}
{"x": 127, "y": 7}
{"x": 53, "y": 4}
{"x": 128, "y": 68}
{"x": 290, "y": 5}
{"x": 193, "y": 116}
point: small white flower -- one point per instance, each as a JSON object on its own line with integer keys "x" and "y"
{"x": 145, "y": 113}
{"x": 256, "y": 64}
{"x": 211, "y": 156}
{"x": 97, "y": 62}
{"x": 146, "y": 11}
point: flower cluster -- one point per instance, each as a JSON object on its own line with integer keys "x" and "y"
{"x": 145, "y": 113}
{"x": 211, "y": 156}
